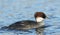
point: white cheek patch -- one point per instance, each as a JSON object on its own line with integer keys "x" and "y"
{"x": 39, "y": 19}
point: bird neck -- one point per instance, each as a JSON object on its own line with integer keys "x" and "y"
{"x": 41, "y": 23}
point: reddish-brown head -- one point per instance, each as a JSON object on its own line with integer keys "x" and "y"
{"x": 39, "y": 16}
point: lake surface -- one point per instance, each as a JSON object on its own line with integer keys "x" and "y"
{"x": 16, "y": 10}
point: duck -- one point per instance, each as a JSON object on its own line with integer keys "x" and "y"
{"x": 30, "y": 24}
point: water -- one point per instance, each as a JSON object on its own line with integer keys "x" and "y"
{"x": 17, "y": 10}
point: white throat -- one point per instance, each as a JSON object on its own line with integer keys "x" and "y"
{"x": 39, "y": 19}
